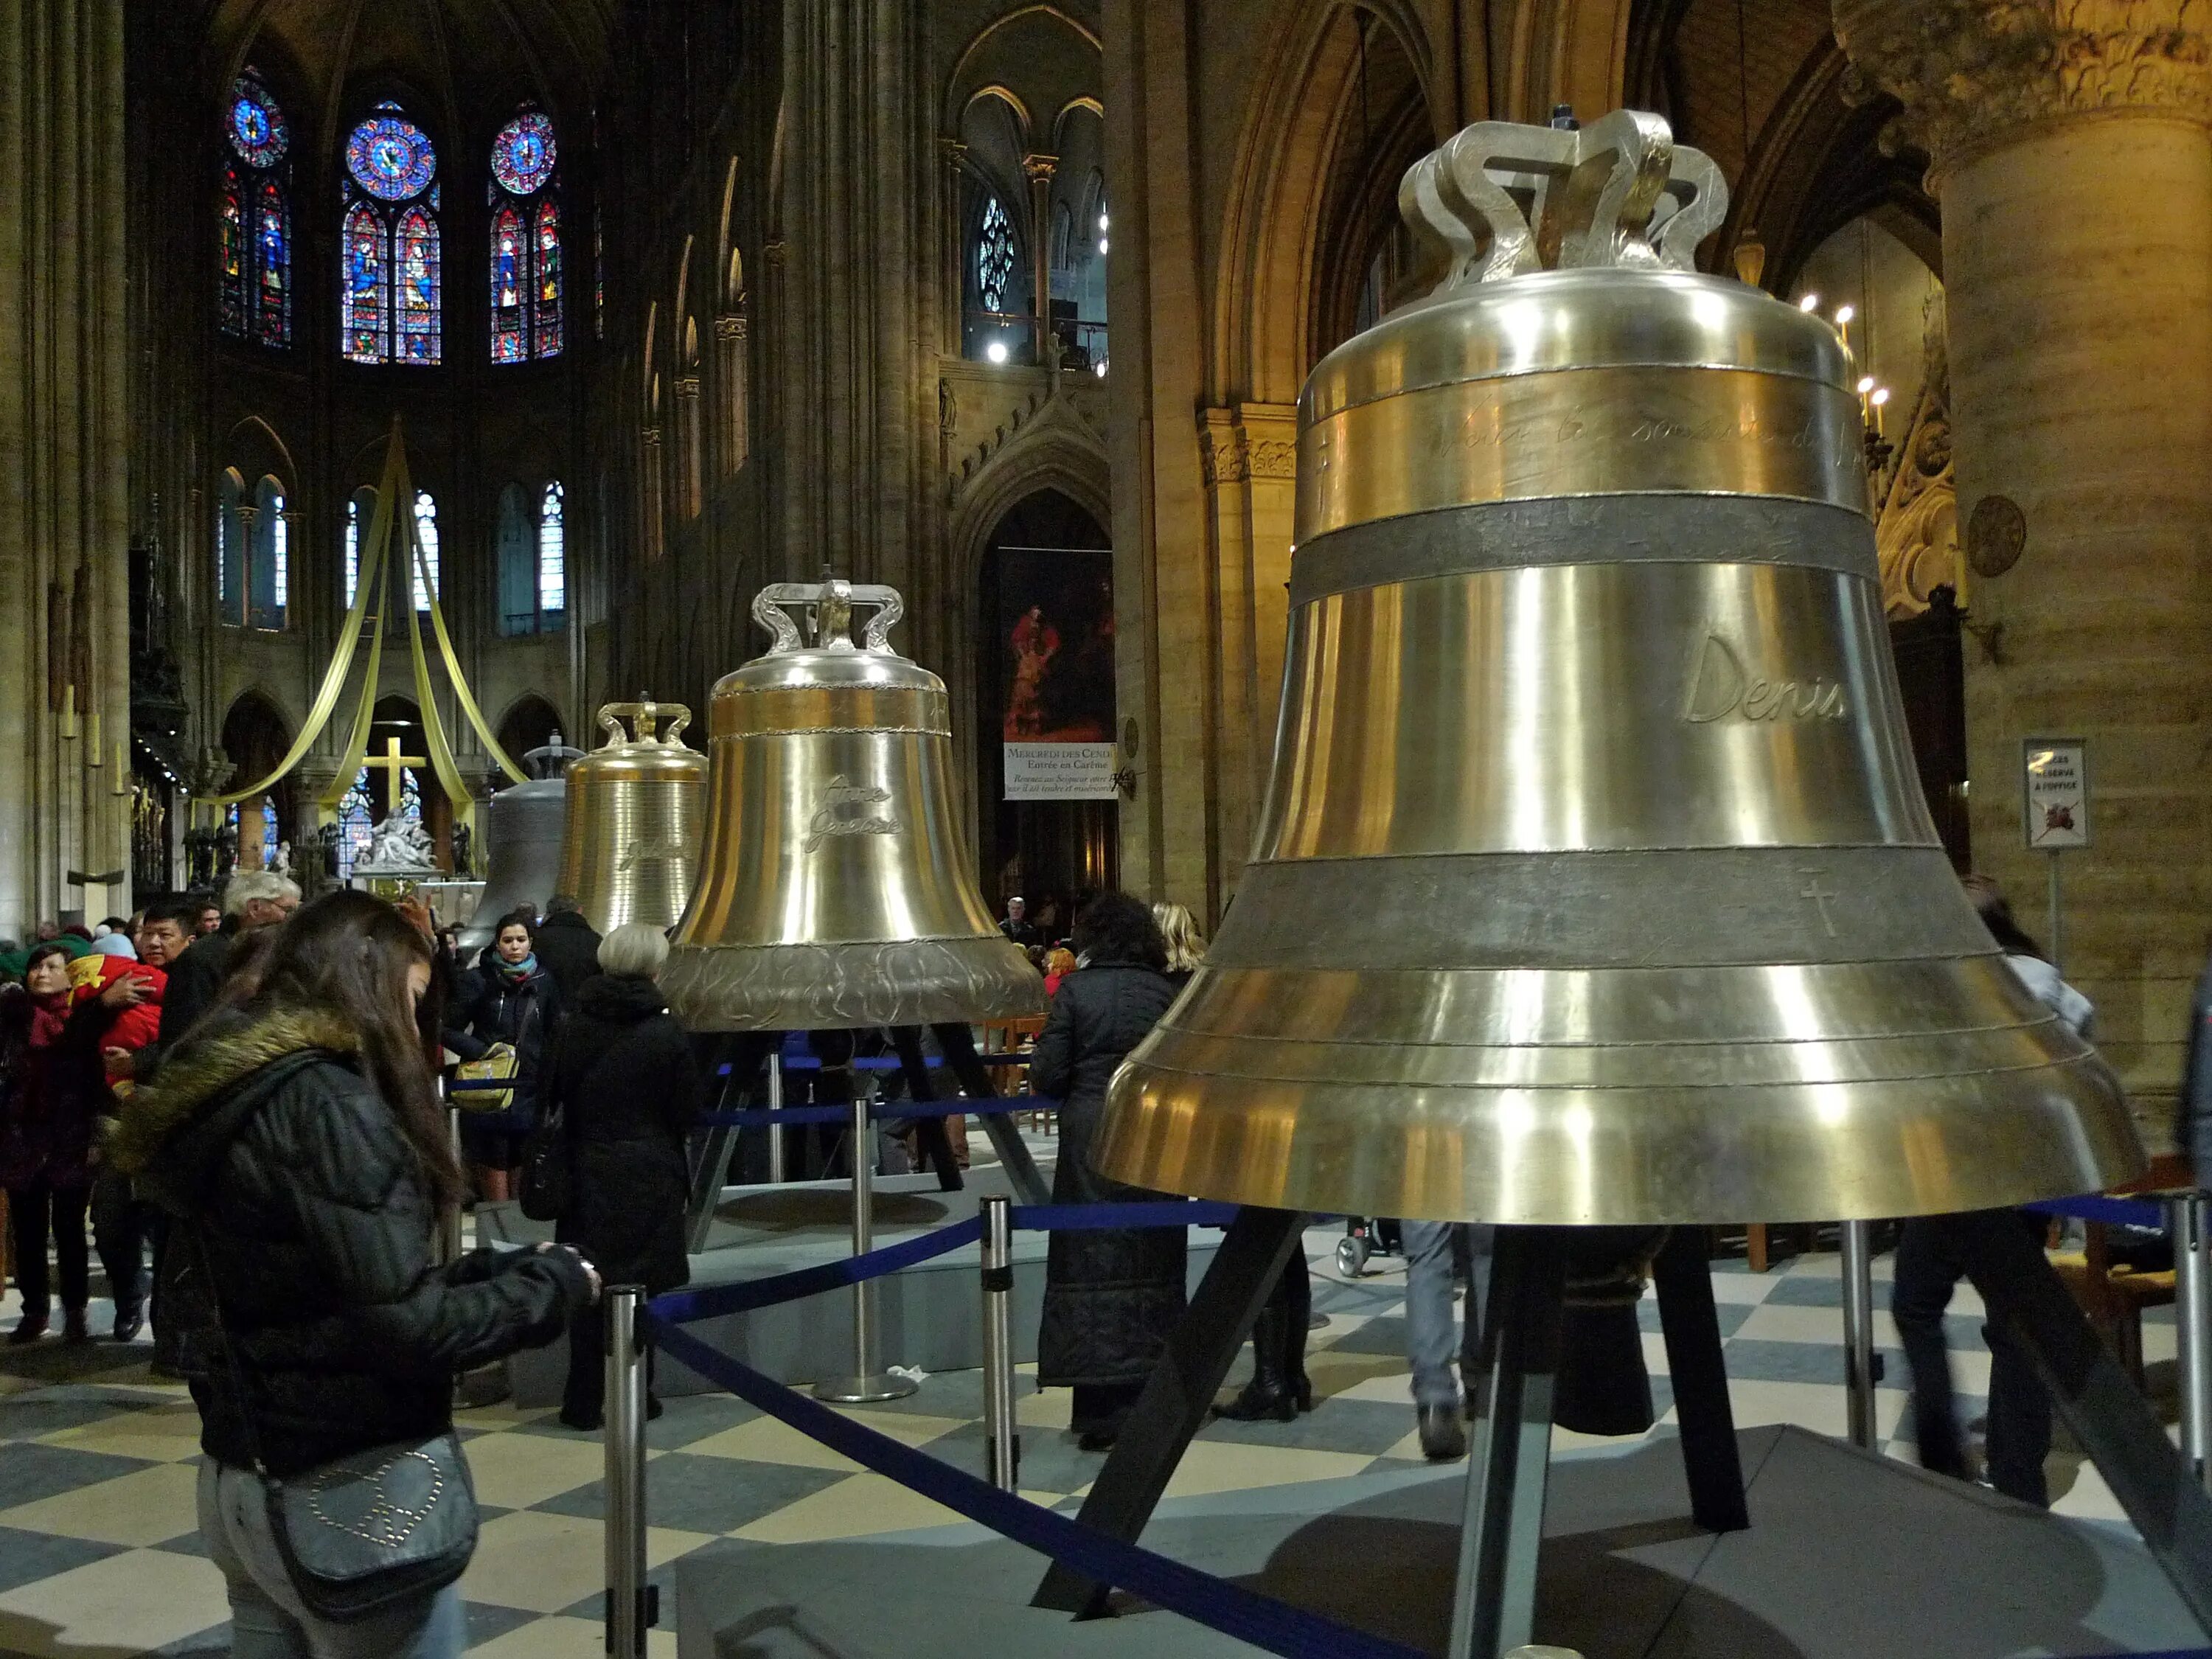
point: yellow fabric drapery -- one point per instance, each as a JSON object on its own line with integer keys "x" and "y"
{"x": 364, "y": 621}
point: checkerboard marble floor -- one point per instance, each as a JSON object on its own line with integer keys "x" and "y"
{"x": 99, "y": 1556}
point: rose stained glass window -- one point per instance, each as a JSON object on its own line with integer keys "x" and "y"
{"x": 524, "y": 154}
{"x": 258, "y": 130}
{"x": 390, "y": 157}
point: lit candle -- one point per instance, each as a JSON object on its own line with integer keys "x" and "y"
{"x": 1881, "y": 397}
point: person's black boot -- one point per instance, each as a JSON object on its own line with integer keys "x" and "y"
{"x": 130, "y": 1317}
{"x": 1265, "y": 1396}
{"x": 1442, "y": 1439}
{"x": 1298, "y": 1324}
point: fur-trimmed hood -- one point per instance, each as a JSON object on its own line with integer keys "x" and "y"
{"x": 206, "y": 1070}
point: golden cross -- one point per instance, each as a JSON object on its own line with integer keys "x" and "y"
{"x": 390, "y": 763}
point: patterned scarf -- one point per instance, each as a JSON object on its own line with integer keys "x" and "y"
{"x": 516, "y": 972}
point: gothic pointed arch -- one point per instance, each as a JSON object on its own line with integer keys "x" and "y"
{"x": 525, "y": 262}
{"x": 391, "y": 305}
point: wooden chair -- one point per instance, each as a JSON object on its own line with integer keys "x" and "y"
{"x": 2112, "y": 1294}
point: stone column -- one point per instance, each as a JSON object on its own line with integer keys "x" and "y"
{"x": 1249, "y": 457}
{"x": 730, "y": 370}
{"x": 1038, "y": 170}
{"x": 63, "y": 514}
{"x": 2070, "y": 149}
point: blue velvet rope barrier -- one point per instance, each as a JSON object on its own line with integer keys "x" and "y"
{"x": 680, "y": 1307}
{"x": 2092, "y": 1207}
{"x": 1261, "y": 1620}
{"x": 761, "y": 1117}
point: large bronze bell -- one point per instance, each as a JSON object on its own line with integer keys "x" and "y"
{"x": 832, "y": 893}
{"x": 522, "y": 838}
{"x": 1594, "y": 882}
{"x": 630, "y": 844}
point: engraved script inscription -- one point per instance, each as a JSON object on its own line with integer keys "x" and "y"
{"x": 648, "y": 849}
{"x": 1719, "y": 685}
{"x": 837, "y": 815}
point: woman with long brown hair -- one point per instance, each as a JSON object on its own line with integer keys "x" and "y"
{"x": 296, "y": 1141}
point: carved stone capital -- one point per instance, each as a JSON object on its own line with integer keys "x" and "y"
{"x": 1974, "y": 73}
{"x": 1039, "y": 169}
{"x": 650, "y": 438}
{"x": 687, "y": 387}
{"x": 1229, "y": 453}
{"x": 730, "y": 325}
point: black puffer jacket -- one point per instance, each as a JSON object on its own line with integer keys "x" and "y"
{"x": 1110, "y": 1298}
{"x": 261, "y": 1138}
{"x": 568, "y": 950}
{"x": 629, "y": 1088}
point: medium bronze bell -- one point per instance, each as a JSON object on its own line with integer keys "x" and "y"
{"x": 832, "y": 892}
{"x": 630, "y": 846}
{"x": 1594, "y": 882}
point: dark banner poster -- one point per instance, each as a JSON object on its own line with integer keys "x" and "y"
{"x": 1055, "y": 633}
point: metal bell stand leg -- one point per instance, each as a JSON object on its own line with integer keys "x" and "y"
{"x": 1506, "y": 1476}
{"x": 868, "y": 1381}
{"x": 1502, "y": 1530}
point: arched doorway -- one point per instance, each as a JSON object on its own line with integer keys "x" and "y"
{"x": 1045, "y": 709}
{"x": 255, "y": 738}
{"x": 531, "y": 723}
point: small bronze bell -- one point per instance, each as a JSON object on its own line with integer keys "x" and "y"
{"x": 630, "y": 846}
{"x": 832, "y": 893}
{"x": 1594, "y": 883}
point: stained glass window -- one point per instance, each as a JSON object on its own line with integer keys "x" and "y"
{"x": 365, "y": 309}
{"x": 517, "y": 559}
{"x": 273, "y": 258}
{"x": 415, "y": 302}
{"x": 524, "y": 154}
{"x": 230, "y": 550}
{"x": 526, "y": 241}
{"x": 268, "y": 558}
{"x": 354, "y": 527}
{"x": 426, "y": 529}
{"x": 994, "y": 256}
{"x": 552, "y": 559}
{"x": 357, "y": 822}
{"x": 390, "y": 294}
{"x": 547, "y": 277}
{"x": 254, "y": 219}
{"x": 234, "y": 256}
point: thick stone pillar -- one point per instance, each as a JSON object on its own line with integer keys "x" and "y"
{"x": 63, "y": 516}
{"x": 2070, "y": 147}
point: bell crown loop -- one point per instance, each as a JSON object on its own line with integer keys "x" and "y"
{"x": 644, "y": 716}
{"x": 830, "y": 604}
{"x": 1502, "y": 200}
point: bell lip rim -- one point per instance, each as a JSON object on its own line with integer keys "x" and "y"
{"x": 2112, "y": 1157}
{"x": 1481, "y": 297}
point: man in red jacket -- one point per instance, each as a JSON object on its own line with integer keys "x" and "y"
{"x": 122, "y": 1223}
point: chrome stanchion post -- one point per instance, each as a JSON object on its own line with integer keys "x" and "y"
{"x": 630, "y": 1611}
{"x": 1858, "y": 1330}
{"x": 775, "y": 1129}
{"x": 2192, "y": 1313}
{"x": 1002, "y": 1447}
{"x": 868, "y": 1381}
{"x": 450, "y": 1227}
